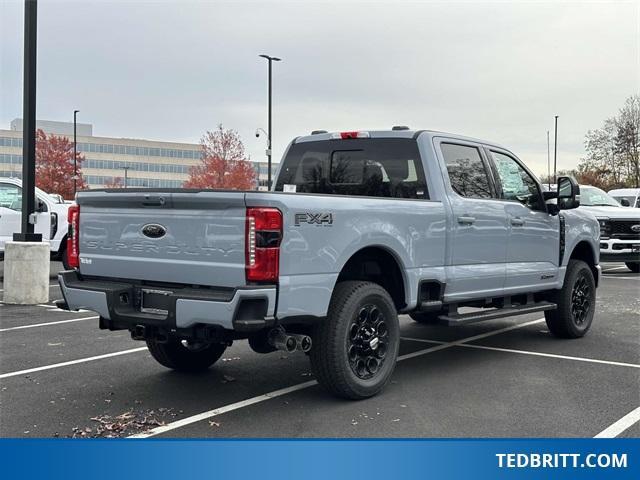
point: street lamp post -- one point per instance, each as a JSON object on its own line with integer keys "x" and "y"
{"x": 126, "y": 170}
{"x": 75, "y": 163}
{"x": 270, "y": 60}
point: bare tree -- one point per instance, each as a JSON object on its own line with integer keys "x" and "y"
{"x": 627, "y": 139}
{"x": 612, "y": 151}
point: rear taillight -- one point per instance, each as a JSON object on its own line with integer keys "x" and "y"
{"x": 73, "y": 236}
{"x": 262, "y": 237}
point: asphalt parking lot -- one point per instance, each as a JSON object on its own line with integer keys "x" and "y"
{"x": 61, "y": 376}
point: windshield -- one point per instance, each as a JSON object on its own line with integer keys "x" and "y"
{"x": 594, "y": 197}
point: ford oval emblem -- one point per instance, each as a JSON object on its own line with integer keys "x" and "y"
{"x": 153, "y": 230}
{"x": 635, "y": 228}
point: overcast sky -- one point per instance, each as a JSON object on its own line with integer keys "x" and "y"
{"x": 171, "y": 70}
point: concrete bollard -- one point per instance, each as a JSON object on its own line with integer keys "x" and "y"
{"x": 26, "y": 272}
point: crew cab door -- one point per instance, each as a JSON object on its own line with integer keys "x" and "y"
{"x": 477, "y": 251}
{"x": 534, "y": 235}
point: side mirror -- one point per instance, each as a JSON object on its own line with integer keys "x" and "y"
{"x": 40, "y": 206}
{"x": 568, "y": 193}
{"x": 624, "y": 202}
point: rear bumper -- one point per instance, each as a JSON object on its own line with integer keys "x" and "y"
{"x": 119, "y": 304}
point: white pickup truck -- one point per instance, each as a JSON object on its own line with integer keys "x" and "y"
{"x": 51, "y": 217}
{"x": 619, "y": 227}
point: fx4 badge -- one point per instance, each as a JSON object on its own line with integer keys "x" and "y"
{"x": 325, "y": 219}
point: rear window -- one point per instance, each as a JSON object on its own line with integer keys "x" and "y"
{"x": 378, "y": 167}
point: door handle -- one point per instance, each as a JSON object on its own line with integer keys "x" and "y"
{"x": 465, "y": 220}
{"x": 517, "y": 222}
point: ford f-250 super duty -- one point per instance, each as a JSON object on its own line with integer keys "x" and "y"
{"x": 360, "y": 226}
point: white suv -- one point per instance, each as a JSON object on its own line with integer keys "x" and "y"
{"x": 619, "y": 227}
{"x": 51, "y": 217}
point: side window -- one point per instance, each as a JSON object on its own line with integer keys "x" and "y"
{"x": 516, "y": 182}
{"x": 11, "y": 196}
{"x": 467, "y": 173}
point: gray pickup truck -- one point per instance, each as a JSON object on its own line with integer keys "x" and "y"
{"x": 360, "y": 226}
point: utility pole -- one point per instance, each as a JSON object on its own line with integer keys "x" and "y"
{"x": 555, "y": 152}
{"x": 126, "y": 170}
{"x": 270, "y": 60}
{"x": 29, "y": 128}
{"x": 75, "y": 163}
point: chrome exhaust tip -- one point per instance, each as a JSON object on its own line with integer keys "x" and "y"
{"x": 279, "y": 340}
{"x": 304, "y": 342}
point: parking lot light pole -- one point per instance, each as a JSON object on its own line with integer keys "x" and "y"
{"x": 548, "y": 162}
{"x": 270, "y": 60}
{"x": 555, "y": 152}
{"x": 26, "y": 258}
{"x": 75, "y": 146}
{"x": 29, "y": 129}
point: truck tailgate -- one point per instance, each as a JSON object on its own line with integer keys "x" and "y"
{"x": 188, "y": 237}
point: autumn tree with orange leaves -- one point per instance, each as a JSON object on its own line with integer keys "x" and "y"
{"x": 54, "y": 165}
{"x": 224, "y": 164}
{"x": 115, "y": 182}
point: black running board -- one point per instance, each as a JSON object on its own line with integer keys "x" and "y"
{"x": 466, "y": 318}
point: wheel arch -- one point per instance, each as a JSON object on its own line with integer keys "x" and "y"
{"x": 584, "y": 251}
{"x": 378, "y": 264}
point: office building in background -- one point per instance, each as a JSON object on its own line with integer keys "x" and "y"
{"x": 148, "y": 163}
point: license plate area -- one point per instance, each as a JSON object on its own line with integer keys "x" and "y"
{"x": 156, "y": 302}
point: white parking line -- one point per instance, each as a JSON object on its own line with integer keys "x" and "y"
{"x": 227, "y": 408}
{"x": 615, "y": 268}
{"x": 22, "y": 327}
{"x": 277, "y": 393}
{"x": 55, "y": 309}
{"x": 621, "y": 425}
{"x": 552, "y": 355}
{"x": 469, "y": 339}
{"x": 537, "y": 354}
{"x": 71, "y": 362}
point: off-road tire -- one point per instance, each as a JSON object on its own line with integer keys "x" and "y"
{"x": 173, "y": 354}
{"x": 564, "y": 322}
{"x": 330, "y": 357}
{"x": 633, "y": 266}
